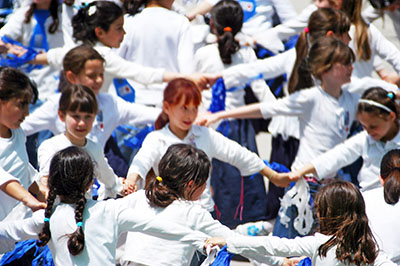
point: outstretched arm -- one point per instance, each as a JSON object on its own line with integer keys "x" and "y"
{"x": 14, "y": 189}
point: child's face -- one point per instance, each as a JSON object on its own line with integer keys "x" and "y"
{"x": 181, "y": 116}
{"x": 339, "y": 73}
{"x": 379, "y": 128}
{"x": 115, "y": 34}
{"x": 13, "y": 112}
{"x": 77, "y": 125}
{"x": 92, "y": 75}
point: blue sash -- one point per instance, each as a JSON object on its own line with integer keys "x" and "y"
{"x": 124, "y": 90}
{"x": 39, "y": 38}
{"x": 249, "y": 8}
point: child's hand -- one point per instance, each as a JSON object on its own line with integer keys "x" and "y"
{"x": 292, "y": 261}
{"x": 206, "y": 119}
{"x": 204, "y": 81}
{"x": 281, "y": 179}
{"x": 33, "y": 203}
{"x": 295, "y": 175}
{"x": 215, "y": 241}
{"x": 129, "y": 186}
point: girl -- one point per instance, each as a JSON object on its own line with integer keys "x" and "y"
{"x": 100, "y": 24}
{"x": 83, "y": 65}
{"x": 383, "y": 208}
{"x": 226, "y": 22}
{"x": 80, "y": 231}
{"x": 343, "y": 238}
{"x": 171, "y": 196}
{"x": 378, "y": 114}
{"x": 18, "y": 176}
{"x": 38, "y": 26}
{"x": 156, "y": 37}
{"x": 78, "y": 109}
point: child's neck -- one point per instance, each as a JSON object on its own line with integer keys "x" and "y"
{"x": 394, "y": 129}
{"x": 332, "y": 88}
{"x": 181, "y": 134}
{"x": 76, "y": 141}
{"x": 160, "y": 3}
{"x": 5, "y": 132}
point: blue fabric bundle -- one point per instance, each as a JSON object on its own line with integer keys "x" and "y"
{"x": 305, "y": 262}
{"x": 218, "y": 92}
{"x": 12, "y": 60}
{"x": 28, "y": 253}
{"x": 223, "y": 258}
{"x": 136, "y": 140}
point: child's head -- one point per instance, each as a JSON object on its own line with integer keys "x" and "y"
{"x": 340, "y": 209}
{"x": 331, "y": 55}
{"x": 70, "y": 176}
{"x": 181, "y": 100}
{"x": 226, "y": 22}
{"x": 17, "y": 91}
{"x": 101, "y": 21}
{"x": 83, "y": 65}
{"x": 78, "y": 109}
{"x": 390, "y": 176}
{"x": 184, "y": 171}
{"x": 378, "y": 112}
{"x": 322, "y": 22}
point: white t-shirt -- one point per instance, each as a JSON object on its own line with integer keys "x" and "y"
{"x": 383, "y": 220}
{"x": 214, "y": 144}
{"x": 103, "y": 171}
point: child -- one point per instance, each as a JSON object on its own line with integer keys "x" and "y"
{"x": 226, "y": 22}
{"x": 78, "y": 109}
{"x": 171, "y": 196}
{"x": 80, "y": 231}
{"x": 343, "y": 238}
{"x": 100, "y": 24}
{"x": 83, "y": 65}
{"x": 18, "y": 176}
{"x": 378, "y": 114}
{"x": 383, "y": 208}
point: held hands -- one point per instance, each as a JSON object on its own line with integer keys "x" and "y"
{"x": 203, "y": 80}
{"x": 206, "y": 119}
{"x": 129, "y": 186}
{"x": 215, "y": 241}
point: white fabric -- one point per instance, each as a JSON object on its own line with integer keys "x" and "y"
{"x": 115, "y": 67}
{"x": 103, "y": 222}
{"x": 160, "y": 38}
{"x": 323, "y": 119}
{"x": 207, "y": 59}
{"x": 14, "y": 160}
{"x": 47, "y": 77}
{"x": 254, "y": 247}
{"x": 114, "y": 110}
{"x": 347, "y": 152}
{"x": 370, "y": 14}
{"x": 214, "y": 144}
{"x": 383, "y": 219}
{"x": 103, "y": 171}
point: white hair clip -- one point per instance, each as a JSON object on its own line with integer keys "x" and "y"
{"x": 91, "y": 11}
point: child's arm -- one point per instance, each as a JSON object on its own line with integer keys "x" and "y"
{"x": 130, "y": 184}
{"x": 22, "y": 229}
{"x": 279, "y": 179}
{"x": 14, "y": 189}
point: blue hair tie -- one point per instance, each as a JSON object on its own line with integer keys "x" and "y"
{"x": 79, "y": 224}
{"x": 47, "y": 219}
{"x": 390, "y": 95}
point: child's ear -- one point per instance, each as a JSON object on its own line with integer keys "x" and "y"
{"x": 166, "y": 107}
{"x": 99, "y": 32}
{"x": 71, "y": 77}
{"x": 61, "y": 115}
{"x": 392, "y": 116}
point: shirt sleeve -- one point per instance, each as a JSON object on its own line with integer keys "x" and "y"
{"x": 341, "y": 155}
{"x": 6, "y": 177}
{"x": 23, "y": 229}
{"x": 45, "y": 154}
{"x": 13, "y": 27}
{"x": 285, "y": 10}
{"x": 233, "y": 153}
{"x": 136, "y": 114}
{"x": 370, "y": 14}
{"x": 55, "y": 56}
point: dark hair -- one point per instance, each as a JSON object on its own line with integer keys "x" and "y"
{"x": 181, "y": 164}
{"x": 77, "y": 57}
{"x": 227, "y": 21}
{"x": 71, "y": 172}
{"x": 353, "y": 10}
{"x": 53, "y": 13}
{"x": 15, "y": 84}
{"x": 320, "y": 22}
{"x": 390, "y": 173}
{"x": 176, "y": 90}
{"x": 327, "y": 51}
{"x": 341, "y": 211}
{"x": 78, "y": 98}
{"x": 97, "y": 14}
{"x": 381, "y": 96}
{"x": 133, "y": 7}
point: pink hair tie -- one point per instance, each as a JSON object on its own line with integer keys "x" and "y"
{"x": 306, "y": 30}
{"x": 228, "y": 29}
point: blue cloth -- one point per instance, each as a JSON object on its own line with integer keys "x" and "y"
{"x": 223, "y": 258}
{"x": 28, "y": 253}
{"x": 305, "y": 262}
{"x": 124, "y": 90}
{"x": 218, "y": 92}
{"x": 39, "y": 37}
{"x": 12, "y": 60}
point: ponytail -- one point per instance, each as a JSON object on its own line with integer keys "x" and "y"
{"x": 161, "y": 121}
{"x": 390, "y": 173}
{"x": 227, "y": 20}
{"x": 76, "y": 240}
{"x": 132, "y": 7}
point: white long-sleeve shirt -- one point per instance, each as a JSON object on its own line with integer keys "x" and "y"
{"x": 370, "y": 14}
{"x": 255, "y": 246}
{"x": 383, "y": 220}
{"x": 347, "y": 152}
{"x": 103, "y": 173}
{"x": 103, "y": 222}
{"x": 115, "y": 66}
{"x": 324, "y": 120}
{"x": 214, "y": 144}
{"x": 113, "y": 111}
